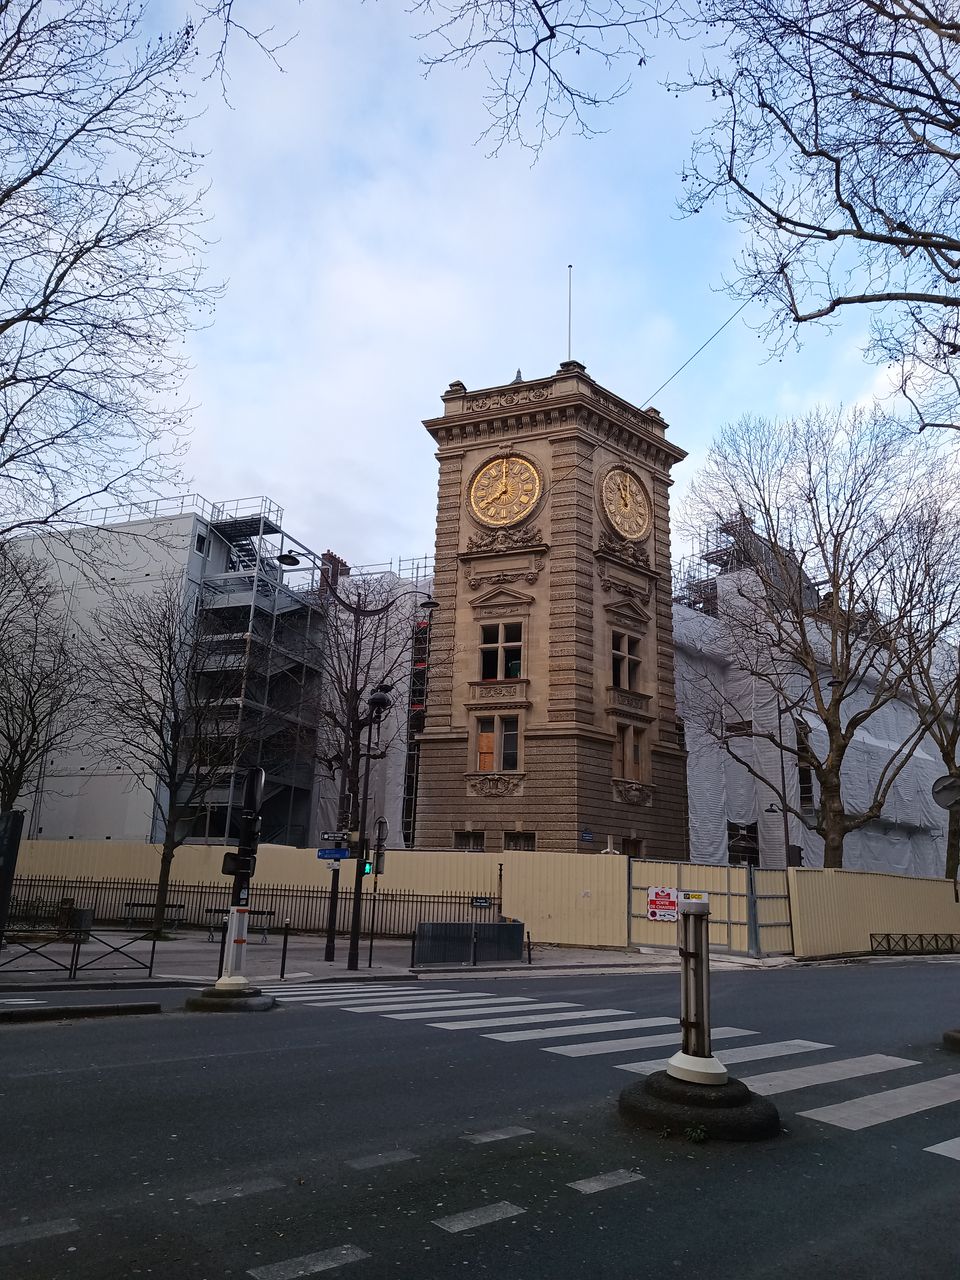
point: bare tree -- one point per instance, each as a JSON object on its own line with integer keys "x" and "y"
{"x": 164, "y": 699}
{"x": 832, "y": 135}
{"x": 99, "y": 247}
{"x": 370, "y": 629}
{"x": 820, "y": 596}
{"x": 530, "y": 50}
{"x": 40, "y": 677}
{"x": 931, "y": 659}
{"x": 835, "y": 144}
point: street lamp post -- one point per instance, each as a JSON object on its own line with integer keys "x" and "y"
{"x": 378, "y": 703}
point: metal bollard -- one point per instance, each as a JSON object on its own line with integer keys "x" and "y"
{"x": 695, "y": 1061}
{"x": 473, "y": 953}
{"x": 283, "y": 953}
{"x": 529, "y": 949}
{"x": 223, "y": 945}
{"x": 413, "y": 949}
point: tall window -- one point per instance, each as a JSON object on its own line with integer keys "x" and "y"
{"x": 626, "y": 661}
{"x": 498, "y": 744}
{"x": 501, "y": 650}
{"x": 628, "y": 753}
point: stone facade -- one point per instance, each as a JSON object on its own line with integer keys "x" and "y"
{"x": 595, "y": 758}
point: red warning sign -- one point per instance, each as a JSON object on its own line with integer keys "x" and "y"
{"x": 661, "y": 903}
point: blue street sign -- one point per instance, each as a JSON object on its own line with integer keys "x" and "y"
{"x": 586, "y": 835}
{"x": 333, "y": 854}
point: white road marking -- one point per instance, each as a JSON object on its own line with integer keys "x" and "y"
{"x": 749, "y": 1053}
{"x": 310, "y": 1264}
{"x": 469, "y": 1011}
{"x": 552, "y": 1033}
{"x": 387, "y": 1157}
{"x": 603, "y": 1181}
{"x": 496, "y": 1135}
{"x": 341, "y": 986}
{"x": 951, "y": 1149}
{"x": 634, "y": 1042}
{"x": 323, "y": 991}
{"x": 351, "y": 998}
{"x": 478, "y": 1217}
{"x": 451, "y": 1002}
{"x": 214, "y": 1194}
{"x": 824, "y": 1073}
{"x": 877, "y": 1108}
{"x": 38, "y": 1230}
{"x": 530, "y": 1015}
{"x": 25, "y": 1001}
{"x": 358, "y": 997}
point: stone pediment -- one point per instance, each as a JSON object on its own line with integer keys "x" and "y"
{"x": 629, "y": 613}
{"x": 501, "y": 600}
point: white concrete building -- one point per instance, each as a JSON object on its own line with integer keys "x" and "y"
{"x": 264, "y": 618}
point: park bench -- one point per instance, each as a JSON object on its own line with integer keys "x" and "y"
{"x": 172, "y": 913}
{"x": 263, "y": 917}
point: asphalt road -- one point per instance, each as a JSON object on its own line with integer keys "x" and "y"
{"x": 314, "y": 1139}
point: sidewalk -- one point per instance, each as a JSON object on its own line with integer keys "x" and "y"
{"x": 191, "y": 960}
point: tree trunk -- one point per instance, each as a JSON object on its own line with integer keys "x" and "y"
{"x": 953, "y": 845}
{"x": 831, "y": 823}
{"x": 166, "y": 861}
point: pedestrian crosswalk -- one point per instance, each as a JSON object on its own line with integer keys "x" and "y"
{"x": 568, "y": 1029}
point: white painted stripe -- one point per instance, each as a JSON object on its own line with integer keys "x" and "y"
{"x": 377, "y": 997}
{"x": 326, "y": 993}
{"x": 25, "y": 1001}
{"x": 749, "y": 1053}
{"x": 469, "y": 1011}
{"x": 877, "y": 1108}
{"x": 529, "y": 1016}
{"x": 310, "y": 1264}
{"x": 582, "y": 1029}
{"x": 478, "y": 1217}
{"x": 603, "y": 1181}
{"x": 496, "y": 1135}
{"x": 336, "y": 987}
{"x": 233, "y": 1192}
{"x": 38, "y": 1230}
{"x": 824, "y": 1073}
{"x": 387, "y": 1157}
{"x": 951, "y": 1149}
{"x": 634, "y": 1042}
{"x": 343, "y": 1002}
{"x": 451, "y": 1002}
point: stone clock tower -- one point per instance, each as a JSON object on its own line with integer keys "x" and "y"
{"x": 550, "y": 716}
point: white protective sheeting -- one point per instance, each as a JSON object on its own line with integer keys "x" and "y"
{"x": 908, "y": 839}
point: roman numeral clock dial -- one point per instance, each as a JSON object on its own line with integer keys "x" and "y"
{"x": 504, "y": 491}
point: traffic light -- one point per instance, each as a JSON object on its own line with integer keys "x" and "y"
{"x": 367, "y": 866}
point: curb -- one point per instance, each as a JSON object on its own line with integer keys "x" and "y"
{"x": 109, "y": 985}
{"x": 60, "y": 1013}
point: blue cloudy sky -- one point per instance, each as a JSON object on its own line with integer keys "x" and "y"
{"x": 373, "y": 252}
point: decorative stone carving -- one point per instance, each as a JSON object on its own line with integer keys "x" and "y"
{"x": 507, "y": 399}
{"x": 495, "y": 784}
{"x": 638, "y": 793}
{"x": 504, "y": 539}
{"x": 625, "y": 700}
{"x": 497, "y": 692}
{"x": 641, "y": 591}
{"x": 477, "y": 580}
{"x": 631, "y": 553}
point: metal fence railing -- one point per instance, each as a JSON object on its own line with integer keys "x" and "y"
{"x": 39, "y": 900}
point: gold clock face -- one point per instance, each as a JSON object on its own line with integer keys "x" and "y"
{"x": 626, "y": 504}
{"x": 504, "y": 491}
